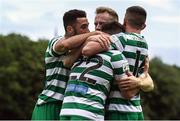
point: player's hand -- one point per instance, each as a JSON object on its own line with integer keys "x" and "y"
{"x": 102, "y": 39}
{"x": 130, "y": 82}
{"x": 98, "y": 32}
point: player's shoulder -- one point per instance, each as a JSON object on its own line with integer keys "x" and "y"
{"x": 54, "y": 40}
{"x": 51, "y": 43}
{"x": 109, "y": 54}
{"x": 117, "y": 55}
{"x": 59, "y": 38}
{"x": 134, "y": 36}
{"x": 118, "y": 35}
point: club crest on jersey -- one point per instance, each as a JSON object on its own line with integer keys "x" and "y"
{"x": 125, "y": 67}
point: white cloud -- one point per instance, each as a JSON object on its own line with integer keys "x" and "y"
{"x": 167, "y": 19}
{"x": 39, "y": 18}
{"x": 163, "y": 4}
{"x": 19, "y": 16}
{"x": 28, "y": 10}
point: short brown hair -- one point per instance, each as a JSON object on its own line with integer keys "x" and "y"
{"x": 112, "y": 28}
{"x": 136, "y": 16}
{"x": 71, "y": 16}
{"x": 108, "y": 10}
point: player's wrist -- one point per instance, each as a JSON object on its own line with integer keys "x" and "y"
{"x": 140, "y": 82}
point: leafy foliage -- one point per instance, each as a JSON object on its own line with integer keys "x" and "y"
{"x": 22, "y": 74}
{"x": 163, "y": 102}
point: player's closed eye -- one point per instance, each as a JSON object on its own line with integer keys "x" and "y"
{"x": 98, "y": 23}
{"x": 84, "y": 26}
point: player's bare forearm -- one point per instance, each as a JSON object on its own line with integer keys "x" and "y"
{"x": 92, "y": 48}
{"x": 72, "y": 56}
{"x": 96, "y": 44}
{"x": 126, "y": 90}
{"x": 73, "y": 42}
{"x": 146, "y": 83}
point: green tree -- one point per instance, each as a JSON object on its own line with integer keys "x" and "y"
{"x": 163, "y": 102}
{"x": 21, "y": 75}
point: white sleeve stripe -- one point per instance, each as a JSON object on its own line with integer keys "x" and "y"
{"x": 84, "y": 113}
{"x": 59, "y": 53}
{"x": 125, "y": 108}
{"x": 81, "y": 100}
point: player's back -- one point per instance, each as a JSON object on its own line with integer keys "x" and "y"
{"x": 89, "y": 84}
{"x": 134, "y": 47}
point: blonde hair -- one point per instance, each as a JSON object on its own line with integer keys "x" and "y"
{"x": 108, "y": 10}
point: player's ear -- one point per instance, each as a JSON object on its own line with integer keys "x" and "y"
{"x": 70, "y": 30}
{"x": 125, "y": 22}
{"x": 143, "y": 26}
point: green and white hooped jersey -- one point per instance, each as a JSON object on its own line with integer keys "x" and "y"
{"x": 89, "y": 84}
{"x": 56, "y": 75}
{"x": 135, "y": 49}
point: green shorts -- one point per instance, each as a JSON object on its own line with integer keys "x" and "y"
{"x": 47, "y": 111}
{"x": 71, "y": 118}
{"x": 114, "y": 115}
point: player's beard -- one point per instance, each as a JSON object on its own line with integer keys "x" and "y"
{"x": 75, "y": 31}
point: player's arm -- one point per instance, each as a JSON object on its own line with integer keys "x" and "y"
{"x": 120, "y": 66}
{"x": 144, "y": 82}
{"x": 91, "y": 48}
{"x": 75, "y": 53}
{"x": 71, "y": 57}
{"x": 127, "y": 94}
{"x": 96, "y": 44}
{"x": 72, "y": 42}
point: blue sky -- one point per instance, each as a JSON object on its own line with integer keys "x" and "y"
{"x": 40, "y": 18}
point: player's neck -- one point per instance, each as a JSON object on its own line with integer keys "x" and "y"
{"x": 132, "y": 30}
